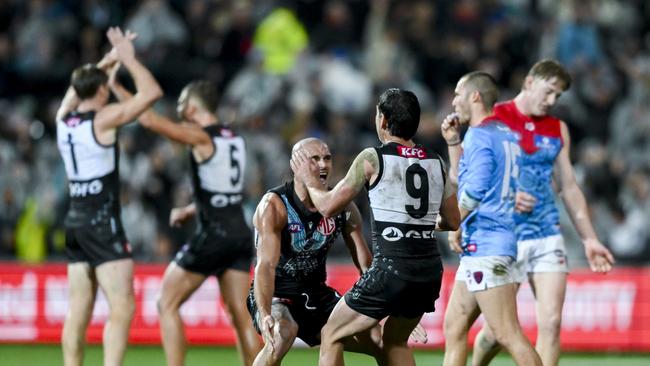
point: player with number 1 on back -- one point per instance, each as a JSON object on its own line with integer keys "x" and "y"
{"x": 410, "y": 196}
{"x": 99, "y": 254}
{"x": 222, "y": 244}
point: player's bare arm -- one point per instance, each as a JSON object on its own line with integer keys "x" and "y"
{"x": 329, "y": 203}
{"x": 148, "y": 91}
{"x": 70, "y": 101}
{"x": 180, "y": 215}
{"x": 450, "y": 129}
{"x": 599, "y": 257}
{"x": 269, "y": 219}
{"x": 354, "y": 239}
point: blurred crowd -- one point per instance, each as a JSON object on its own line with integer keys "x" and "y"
{"x": 291, "y": 69}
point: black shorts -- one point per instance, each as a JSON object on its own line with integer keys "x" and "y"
{"x": 212, "y": 252}
{"x": 380, "y": 293}
{"x": 310, "y": 309}
{"x": 97, "y": 242}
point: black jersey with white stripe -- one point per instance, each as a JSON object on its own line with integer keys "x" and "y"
{"x": 305, "y": 241}
{"x": 91, "y": 167}
{"x": 219, "y": 180}
{"x": 405, "y": 201}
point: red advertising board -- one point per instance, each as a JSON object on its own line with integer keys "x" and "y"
{"x": 601, "y": 313}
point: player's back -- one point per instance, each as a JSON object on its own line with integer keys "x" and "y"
{"x": 219, "y": 180}
{"x": 541, "y": 142}
{"x": 488, "y": 171}
{"x": 91, "y": 168}
{"x": 405, "y": 200}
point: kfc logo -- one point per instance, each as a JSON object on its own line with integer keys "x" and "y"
{"x": 411, "y": 152}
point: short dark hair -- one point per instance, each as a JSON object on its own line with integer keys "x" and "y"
{"x": 206, "y": 94}
{"x": 486, "y": 86}
{"x": 547, "y": 69}
{"x": 87, "y": 79}
{"x": 402, "y": 112}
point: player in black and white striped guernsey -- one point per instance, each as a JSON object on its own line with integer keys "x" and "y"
{"x": 409, "y": 197}
{"x": 222, "y": 244}
{"x": 95, "y": 242}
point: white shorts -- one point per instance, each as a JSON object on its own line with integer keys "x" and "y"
{"x": 540, "y": 255}
{"x": 482, "y": 273}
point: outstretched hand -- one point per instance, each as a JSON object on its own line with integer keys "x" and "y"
{"x": 304, "y": 168}
{"x": 122, "y": 43}
{"x": 599, "y": 257}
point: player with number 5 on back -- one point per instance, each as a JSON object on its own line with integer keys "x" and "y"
{"x": 410, "y": 196}
{"x": 222, "y": 245}
{"x": 487, "y": 182}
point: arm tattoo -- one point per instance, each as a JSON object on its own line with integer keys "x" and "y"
{"x": 357, "y": 174}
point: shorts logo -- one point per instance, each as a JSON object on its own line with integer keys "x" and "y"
{"x": 530, "y": 126}
{"x": 294, "y": 227}
{"x": 478, "y": 276}
{"x": 127, "y": 247}
{"x": 392, "y": 234}
{"x": 222, "y": 200}
{"x": 471, "y": 248}
{"x": 326, "y": 226}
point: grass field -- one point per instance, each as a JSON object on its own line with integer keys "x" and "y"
{"x": 45, "y": 355}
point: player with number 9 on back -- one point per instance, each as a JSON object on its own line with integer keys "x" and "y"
{"x": 410, "y": 196}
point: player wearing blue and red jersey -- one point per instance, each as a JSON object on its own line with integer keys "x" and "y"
{"x": 541, "y": 257}
{"x": 488, "y": 171}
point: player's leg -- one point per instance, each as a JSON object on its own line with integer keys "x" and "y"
{"x": 234, "y": 285}
{"x": 550, "y": 290}
{"x": 343, "y": 323}
{"x": 284, "y": 333}
{"x": 462, "y": 311}
{"x": 177, "y": 286}
{"x": 115, "y": 278}
{"x": 499, "y": 307}
{"x": 368, "y": 342}
{"x": 486, "y": 347}
{"x": 395, "y": 337}
{"x": 82, "y": 288}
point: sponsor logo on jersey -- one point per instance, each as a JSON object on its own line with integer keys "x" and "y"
{"x": 294, "y": 227}
{"x": 530, "y": 126}
{"x": 222, "y": 200}
{"x": 73, "y": 121}
{"x": 411, "y": 152}
{"x": 226, "y": 133}
{"x": 392, "y": 233}
{"x": 83, "y": 189}
{"x": 326, "y": 226}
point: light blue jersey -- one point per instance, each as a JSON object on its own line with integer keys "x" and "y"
{"x": 535, "y": 178}
{"x": 488, "y": 172}
{"x": 541, "y": 142}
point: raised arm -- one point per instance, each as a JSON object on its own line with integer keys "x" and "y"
{"x": 355, "y": 241}
{"x": 450, "y": 129}
{"x": 148, "y": 90}
{"x": 71, "y": 100}
{"x": 269, "y": 219}
{"x": 329, "y": 203}
{"x": 599, "y": 257}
